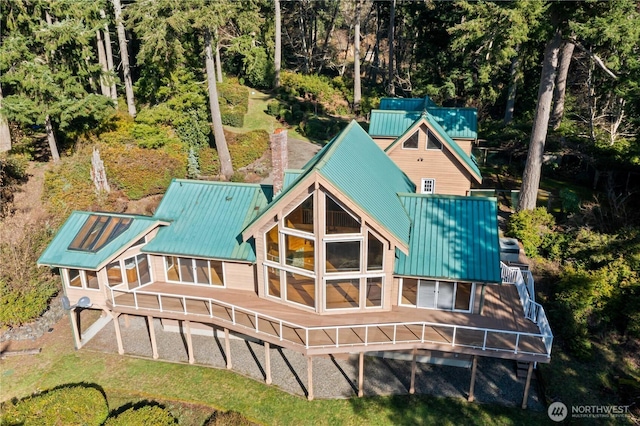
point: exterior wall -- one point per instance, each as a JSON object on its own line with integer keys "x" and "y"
{"x": 465, "y": 144}
{"x": 382, "y": 142}
{"x": 240, "y": 276}
{"x": 450, "y": 176}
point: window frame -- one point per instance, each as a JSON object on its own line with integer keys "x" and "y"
{"x": 437, "y": 287}
{"x": 417, "y": 132}
{"x": 83, "y": 279}
{"x": 194, "y": 271}
{"x": 426, "y": 143}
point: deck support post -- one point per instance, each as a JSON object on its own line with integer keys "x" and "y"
{"x": 126, "y": 321}
{"x": 310, "y": 378}
{"x": 116, "y": 324}
{"x": 73, "y": 317}
{"x": 187, "y": 327}
{"x": 152, "y": 337}
{"x": 361, "y": 374}
{"x": 525, "y": 398}
{"x": 267, "y": 362}
{"x": 227, "y": 348}
{"x": 474, "y": 366}
{"x": 481, "y": 306}
{"x": 412, "y": 388}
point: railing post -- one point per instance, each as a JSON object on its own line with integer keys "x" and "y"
{"x": 210, "y": 309}
{"x": 395, "y": 328}
{"x": 135, "y": 299}
{"x": 366, "y": 335}
{"x": 160, "y": 302}
{"x": 422, "y": 336}
{"x": 306, "y": 338}
{"x": 453, "y": 340}
{"x": 184, "y": 302}
{"x": 281, "y": 338}
{"x": 233, "y": 314}
{"x": 113, "y": 298}
{"x": 337, "y": 337}
{"x": 256, "y": 316}
{"x": 517, "y": 342}
{"x": 484, "y": 342}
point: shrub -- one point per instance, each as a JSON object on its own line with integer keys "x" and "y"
{"x": 68, "y": 185}
{"x": 142, "y": 172}
{"x": 143, "y": 416}
{"x": 75, "y": 405}
{"x": 209, "y": 162}
{"x": 531, "y": 227}
{"x": 314, "y": 87}
{"x": 318, "y": 129}
{"x": 245, "y": 148}
{"x": 233, "y": 94}
{"x": 233, "y": 117}
{"x": 228, "y": 418}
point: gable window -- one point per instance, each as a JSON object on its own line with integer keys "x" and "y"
{"x": 194, "y": 271}
{"x": 114, "y": 274}
{"x": 428, "y": 186}
{"x": 301, "y": 218}
{"x": 411, "y": 142}
{"x": 338, "y": 220}
{"x": 272, "y": 245}
{"x": 137, "y": 270}
{"x": 375, "y": 253}
{"x": 82, "y": 279}
{"x": 433, "y": 142}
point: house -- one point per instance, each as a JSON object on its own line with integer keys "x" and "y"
{"x": 431, "y": 144}
{"x": 345, "y": 258}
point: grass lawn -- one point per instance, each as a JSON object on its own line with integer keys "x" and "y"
{"x": 192, "y": 392}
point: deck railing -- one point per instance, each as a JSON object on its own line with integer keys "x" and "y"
{"x": 338, "y": 336}
{"x": 523, "y": 280}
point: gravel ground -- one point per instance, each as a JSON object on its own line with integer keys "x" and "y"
{"x": 496, "y": 380}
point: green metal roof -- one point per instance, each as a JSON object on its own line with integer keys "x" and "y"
{"x": 391, "y": 123}
{"x": 59, "y": 254}
{"x": 290, "y": 176}
{"x": 454, "y": 238}
{"x": 363, "y": 173}
{"x": 453, "y": 145}
{"x": 407, "y": 104}
{"x": 207, "y": 219}
{"x": 459, "y": 123}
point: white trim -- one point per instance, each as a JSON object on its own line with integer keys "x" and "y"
{"x": 426, "y": 141}
{"x": 435, "y": 301}
{"x": 194, "y": 271}
{"x": 417, "y": 142}
{"x": 82, "y": 273}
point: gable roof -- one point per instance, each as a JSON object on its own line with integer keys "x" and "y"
{"x": 466, "y": 161}
{"x": 59, "y": 254}
{"x": 407, "y": 104}
{"x": 207, "y": 219}
{"x": 290, "y": 176}
{"x": 459, "y": 123}
{"x": 363, "y": 173}
{"x": 454, "y": 238}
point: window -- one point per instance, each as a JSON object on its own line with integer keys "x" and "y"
{"x": 428, "y": 186}
{"x": 343, "y": 294}
{"x": 299, "y": 252}
{"x": 98, "y": 231}
{"x": 82, "y": 279}
{"x": 443, "y": 295}
{"x": 433, "y": 142}
{"x": 375, "y": 253}
{"x": 339, "y": 221}
{"x": 273, "y": 244}
{"x": 194, "y": 271}
{"x": 273, "y": 282}
{"x": 114, "y": 274}
{"x": 374, "y": 292}
{"x": 343, "y": 256}
{"x": 411, "y": 142}
{"x": 301, "y": 289}
{"x": 301, "y": 218}
{"x": 137, "y": 270}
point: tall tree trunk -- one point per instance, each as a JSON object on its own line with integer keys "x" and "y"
{"x": 5, "y": 133}
{"x": 392, "y": 17}
{"x": 109, "y": 51}
{"x": 532, "y": 170}
{"x": 561, "y": 84}
{"x": 51, "y": 138}
{"x": 218, "y": 64}
{"x": 226, "y": 168}
{"x": 357, "y": 94}
{"x": 278, "y": 52}
{"x": 105, "y": 89}
{"x": 513, "y": 87}
{"x": 124, "y": 58}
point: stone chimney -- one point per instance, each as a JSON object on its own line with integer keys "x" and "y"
{"x": 279, "y": 158}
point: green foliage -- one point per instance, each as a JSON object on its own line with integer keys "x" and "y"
{"x": 142, "y": 172}
{"x": 250, "y": 62}
{"x": 315, "y": 88}
{"x": 193, "y": 169}
{"x": 245, "y": 148}
{"x": 68, "y": 185}
{"x": 531, "y": 227}
{"x": 228, "y": 418}
{"x": 320, "y": 129}
{"x": 209, "y": 162}
{"x": 142, "y": 416}
{"x": 570, "y": 200}
{"x": 148, "y": 136}
{"x": 73, "y": 405}
{"x": 234, "y": 102}
{"x": 233, "y": 117}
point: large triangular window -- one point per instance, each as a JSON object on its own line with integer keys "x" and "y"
{"x": 338, "y": 220}
{"x": 433, "y": 142}
{"x": 411, "y": 142}
{"x": 301, "y": 218}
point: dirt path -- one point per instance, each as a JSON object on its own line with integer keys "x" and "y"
{"x": 27, "y": 209}
{"x": 299, "y": 153}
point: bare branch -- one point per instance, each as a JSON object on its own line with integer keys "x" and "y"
{"x": 595, "y": 57}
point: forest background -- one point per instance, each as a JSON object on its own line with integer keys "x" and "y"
{"x": 162, "y": 87}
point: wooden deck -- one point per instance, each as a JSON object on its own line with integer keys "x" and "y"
{"x": 502, "y": 330}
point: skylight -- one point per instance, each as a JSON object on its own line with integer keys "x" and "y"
{"x": 98, "y": 231}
